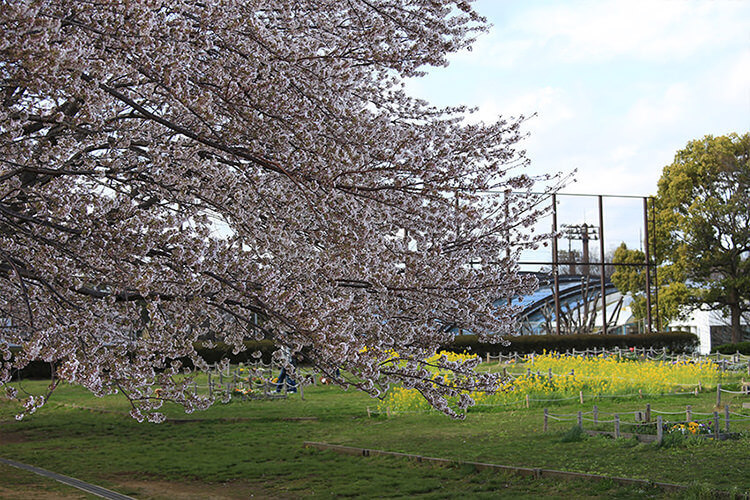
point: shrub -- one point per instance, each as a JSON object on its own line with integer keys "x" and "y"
{"x": 221, "y": 351}
{"x": 42, "y": 370}
{"x": 573, "y": 435}
{"x": 741, "y": 347}
{"x": 679, "y": 342}
{"x": 34, "y": 370}
{"x": 672, "y": 440}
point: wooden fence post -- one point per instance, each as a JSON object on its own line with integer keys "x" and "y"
{"x": 648, "y": 412}
{"x": 659, "y": 429}
{"x": 580, "y": 419}
{"x": 546, "y": 418}
{"x": 549, "y": 373}
{"x": 718, "y": 395}
{"x": 596, "y": 414}
{"x": 688, "y": 413}
{"x": 716, "y": 425}
{"x": 527, "y": 401}
{"x": 580, "y": 396}
{"x": 617, "y": 426}
{"x": 210, "y": 389}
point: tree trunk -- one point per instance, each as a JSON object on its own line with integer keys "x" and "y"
{"x": 736, "y": 326}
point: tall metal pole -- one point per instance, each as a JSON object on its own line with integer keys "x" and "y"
{"x": 656, "y": 259}
{"x": 554, "y": 265}
{"x": 507, "y": 237}
{"x": 648, "y": 265}
{"x": 601, "y": 271}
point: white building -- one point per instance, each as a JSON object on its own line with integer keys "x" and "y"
{"x": 713, "y": 328}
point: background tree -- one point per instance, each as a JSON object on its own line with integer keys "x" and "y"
{"x": 673, "y": 294}
{"x": 703, "y": 224}
{"x": 172, "y": 171}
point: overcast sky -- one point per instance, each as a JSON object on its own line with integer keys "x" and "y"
{"x": 618, "y": 87}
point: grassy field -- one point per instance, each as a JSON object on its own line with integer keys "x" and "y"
{"x": 255, "y": 448}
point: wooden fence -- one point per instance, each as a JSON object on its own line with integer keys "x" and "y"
{"x": 251, "y": 381}
{"x": 733, "y": 362}
{"x": 719, "y": 425}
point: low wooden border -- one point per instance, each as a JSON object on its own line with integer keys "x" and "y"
{"x": 536, "y": 473}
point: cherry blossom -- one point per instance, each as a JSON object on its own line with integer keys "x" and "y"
{"x": 197, "y": 171}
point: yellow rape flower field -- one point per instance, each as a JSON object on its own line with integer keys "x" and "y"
{"x": 551, "y": 377}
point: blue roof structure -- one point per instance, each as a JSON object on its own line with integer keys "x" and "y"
{"x": 574, "y": 291}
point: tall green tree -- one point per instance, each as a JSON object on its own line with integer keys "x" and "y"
{"x": 703, "y": 224}
{"x": 671, "y": 293}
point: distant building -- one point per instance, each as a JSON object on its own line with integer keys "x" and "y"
{"x": 711, "y": 327}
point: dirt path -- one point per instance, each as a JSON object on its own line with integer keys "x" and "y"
{"x": 70, "y": 481}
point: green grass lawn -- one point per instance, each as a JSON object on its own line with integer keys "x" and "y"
{"x": 262, "y": 454}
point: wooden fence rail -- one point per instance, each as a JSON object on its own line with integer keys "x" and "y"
{"x": 733, "y": 362}
{"x": 252, "y": 381}
{"x": 644, "y": 418}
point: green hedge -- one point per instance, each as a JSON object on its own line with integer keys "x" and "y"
{"x": 42, "y": 369}
{"x": 674, "y": 341}
{"x": 679, "y": 342}
{"x": 741, "y": 347}
{"x": 34, "y": 370}
{"x": 221, "y": 351}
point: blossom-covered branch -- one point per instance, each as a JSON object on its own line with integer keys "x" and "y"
{"x": 171, "y": 172}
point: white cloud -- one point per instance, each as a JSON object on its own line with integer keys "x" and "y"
{"x": 654, "y": 112}
{"x": 619, "y": 87}
{"x": 586, "y": 31}
{"x": 735, "y": 81}
{"x": 550, "y": 104}
{"x": 492, "y": 51}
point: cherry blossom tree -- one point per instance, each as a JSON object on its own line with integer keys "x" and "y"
{"x": 173, "y": 171}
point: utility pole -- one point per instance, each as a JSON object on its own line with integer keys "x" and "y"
{"x": 585, "y": 233}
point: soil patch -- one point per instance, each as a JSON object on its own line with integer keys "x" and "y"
{"x": 11, "y": 437}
